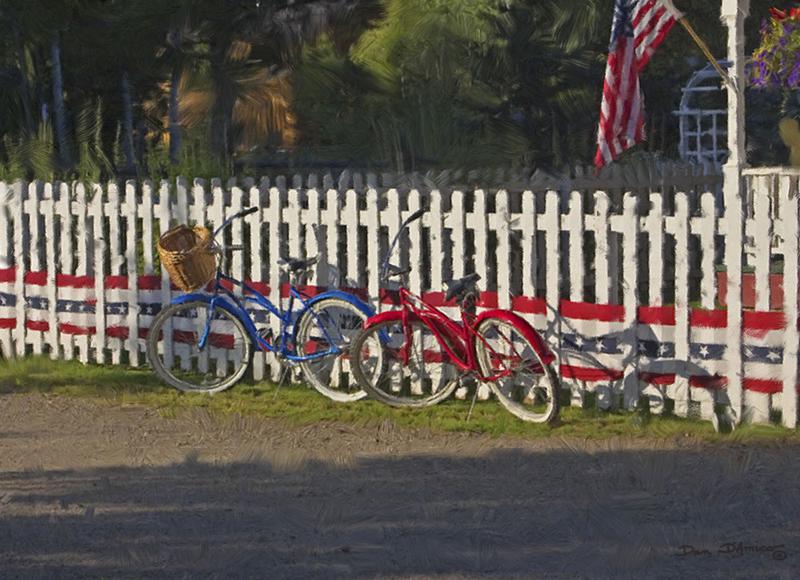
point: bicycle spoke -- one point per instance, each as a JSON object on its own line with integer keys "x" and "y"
{"x": 175, "y": 353}
{"x": 519, "y": 378}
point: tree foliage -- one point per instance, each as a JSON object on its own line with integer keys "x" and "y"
{"x": 92, "y": 88}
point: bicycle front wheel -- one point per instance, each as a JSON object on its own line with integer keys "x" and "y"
{"x": 403, "y": 366}
{"x": 523, "y": 384}
{"x": 174, "y": 352}
{"x": 324, "y": 333}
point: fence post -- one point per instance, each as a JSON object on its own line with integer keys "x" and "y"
{"x": 733, "y": 14}
{"x": 791, "y": 338}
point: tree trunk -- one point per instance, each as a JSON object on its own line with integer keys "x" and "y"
{"x": 24, "y": 87}
{"x": 174, "y": 118}
{"x": 556, "y": 143}
{"x": 59, "y": 109}
{"x": 222, "y": 111}
{"x": 127, "y": 124}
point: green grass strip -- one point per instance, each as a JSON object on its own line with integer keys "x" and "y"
{"x": 300, "y": 405}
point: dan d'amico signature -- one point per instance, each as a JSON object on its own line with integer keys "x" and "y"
{"x": 736, "y": 550}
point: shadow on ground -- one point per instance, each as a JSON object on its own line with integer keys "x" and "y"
{"x": 571, "y": 512}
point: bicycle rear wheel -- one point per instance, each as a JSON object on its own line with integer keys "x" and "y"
{"x": 327, "y": 328}
{"x": 529, "y": 388}
{"x": 174, "y": 353}
{"x": 427, "y": 378}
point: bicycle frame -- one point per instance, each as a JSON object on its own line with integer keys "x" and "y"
{"x": 235, "y": 305}
{"x": 457, "y": 339}
{"x": 451, "y": 335}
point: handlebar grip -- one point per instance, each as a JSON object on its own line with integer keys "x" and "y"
{"x": 247, "y": 211}
{"x": 416, "y": 215}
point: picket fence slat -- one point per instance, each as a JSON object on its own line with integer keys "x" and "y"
{"x": 49, "y": 210}
{"x": 163, "y": 212}
{"x": 33, "y": 206}
{"x": 132, "y": 318}
{"x": 18, "y": 216}
{"x": 679, "y": 391}
{"x": 706, "y": 230}
{"x": 551, "y": 225}
{"x": 567, "y": 252}
{"x": 630, "y": 286}
{"x": 82, "y": 254}
{"x": 7, "y": 201}
{"x": 575, "y": 228}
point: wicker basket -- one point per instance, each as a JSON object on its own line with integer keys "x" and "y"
{"x": 187, "y": 256}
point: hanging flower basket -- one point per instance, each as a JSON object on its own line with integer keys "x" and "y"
{"x": 775, "y": 65}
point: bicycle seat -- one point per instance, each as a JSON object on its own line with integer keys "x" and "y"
{"x": 392, "y": 271}
{"x": 296, "y": 266}
{"x": 460, "y": 287}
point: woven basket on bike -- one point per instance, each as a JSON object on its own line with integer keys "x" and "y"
{"x": 188, "y": 256}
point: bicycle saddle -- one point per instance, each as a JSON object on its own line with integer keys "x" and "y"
{"x": 458, "y": 288}
{"x": 294, "y": 265}
{"x": 392, "y": 270}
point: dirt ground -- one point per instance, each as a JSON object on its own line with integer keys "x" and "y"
{"x": 89, "y": 490}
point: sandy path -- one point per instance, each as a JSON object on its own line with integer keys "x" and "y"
{"x": 90, "y": 490}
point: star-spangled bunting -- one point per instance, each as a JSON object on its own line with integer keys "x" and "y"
{"x": 594, "y": 343}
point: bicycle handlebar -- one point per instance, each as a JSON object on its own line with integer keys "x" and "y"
{"x": 245, "y": 212}
{"x": 414, "y": 216}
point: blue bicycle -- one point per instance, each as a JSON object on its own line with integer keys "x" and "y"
{"x": 204, "y": 341}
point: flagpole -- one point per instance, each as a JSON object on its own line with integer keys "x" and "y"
{"x": 706, "y": 51}
{"x": 681, "y": 17}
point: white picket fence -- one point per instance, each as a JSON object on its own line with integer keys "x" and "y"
{"x": 625, "y": 288}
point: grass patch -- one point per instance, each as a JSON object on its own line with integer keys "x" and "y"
{"x": 301, "y": 405}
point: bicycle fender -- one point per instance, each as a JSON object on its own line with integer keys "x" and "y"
{"x": 347, "y": 297}
{"x": 243, "y": 317}
{"x": 524, "y": 327}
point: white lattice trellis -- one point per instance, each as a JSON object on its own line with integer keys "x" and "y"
{"x": 703, "y": 125}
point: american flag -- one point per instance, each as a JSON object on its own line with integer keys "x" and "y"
{"x": 638, "y": 29}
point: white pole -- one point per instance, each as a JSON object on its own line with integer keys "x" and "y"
{"x": 733, "y": 15}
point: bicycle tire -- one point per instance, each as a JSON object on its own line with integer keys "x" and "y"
{"x": 339, "y": 379}
{"x": 169, "y": 375}
{"x": 380, "y": 339}
{"x": 518, "y": 398}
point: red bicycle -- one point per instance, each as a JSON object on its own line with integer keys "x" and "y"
{"x": 416, "y": 356}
